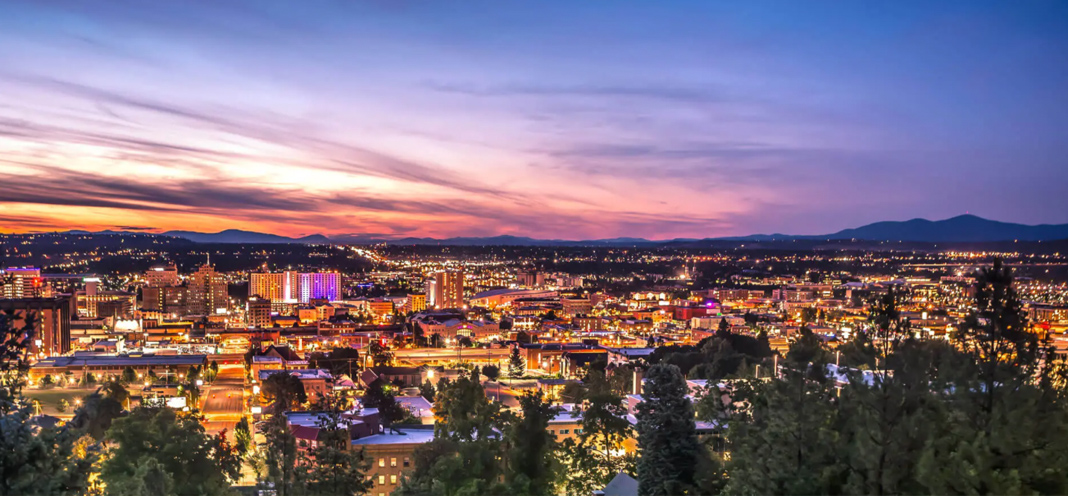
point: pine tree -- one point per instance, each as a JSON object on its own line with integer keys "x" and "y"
{"x": 516, "y": 365}
{"x": 593, "y": 458}
{"x": 531, "y": 466}
{"x": 667, "y": 436}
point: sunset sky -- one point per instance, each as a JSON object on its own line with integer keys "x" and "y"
{"x": 569, "y": 119}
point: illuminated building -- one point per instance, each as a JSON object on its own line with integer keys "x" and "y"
{"x": 258, "y": 312}
{"x": 416, "y": 302}
{"x": 296, "y": 287}
{"x": 22, "y": 282}
{"x": 161, "y": 276}
{"x": 51, "y": 318}
{"x": 446, "y": 289}
{"x": 207, "y": 292}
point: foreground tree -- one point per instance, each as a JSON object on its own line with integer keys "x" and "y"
{"x": 531, "y": 467}
{"x": 667, "y": 436}
{"x": 464, "y": 457}
{"x": 593, "y": 458}
{"x": 34, "y": 460}
{"x": 154, "y": 440}
{"x": 331, "y": 467}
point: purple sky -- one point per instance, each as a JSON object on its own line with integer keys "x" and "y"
{"x": 546, "y": 119}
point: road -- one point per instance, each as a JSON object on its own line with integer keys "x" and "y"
{"x": 223, "y": 402}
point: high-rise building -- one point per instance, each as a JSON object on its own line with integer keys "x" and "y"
{"x": 416, "y": 302}
{"x": 21, "y": 282}
{"x": 161, "y": 276}
{"x": 445, "y": 289}
{"x": 266, "y": 285}
{"x": 320, "y": 286}
{"x": 258, "y": 313}
{"x": 51, "y": 318}
{"x": 296, "y": 287}
{"x": 207, "y": 292}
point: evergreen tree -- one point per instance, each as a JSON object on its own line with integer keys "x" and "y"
{"x": 1008, "y": 405}
{"x": 531, "y": 465}
{"x": 196, "y": 462}
{"x": 280, "y": 457}
{"x": 283, "y": 391}
{"x": 597, "y": 454}
{"x": 34, "y": 460}
{"x": 781, "y": 439}
{"x": 242, "y": 436}
{"x": 331, "y": 467}
{"x": 516, "y": 365}
{"x": 667, "y": 436}
{"x": 427, "y": 391}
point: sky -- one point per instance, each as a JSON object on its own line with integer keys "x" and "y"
{"x": 551, "y": 119}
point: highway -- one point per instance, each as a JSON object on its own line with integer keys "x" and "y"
{"x": 223, "y": 402}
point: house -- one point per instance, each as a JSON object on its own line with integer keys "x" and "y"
{"x": 317, "y": 382}
{"x": 406, "y": 376}
{"x": 620, "y": 485}
{"x": 391, "y": 455}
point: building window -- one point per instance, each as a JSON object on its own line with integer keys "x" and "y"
{"x": 407, "y": 462}
{"x": 564, "y": 431}
{"x": 381, "y": 480}
{"x": 393, "y": 479}
{"x": 381, "y": 462}
{"x": 392, "y": 462}
{"x": 552, "y": 431}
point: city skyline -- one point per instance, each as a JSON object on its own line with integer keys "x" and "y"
{"x": 561, "y": 121}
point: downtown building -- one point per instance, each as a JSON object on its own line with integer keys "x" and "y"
{"x": 445, "y": 289}
{"x": 291, "y": 287}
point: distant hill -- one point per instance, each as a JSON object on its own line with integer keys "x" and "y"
{"x": 960, "y": 229}
{"x": 239, "y": 236}
{"x": 963, "y": 228}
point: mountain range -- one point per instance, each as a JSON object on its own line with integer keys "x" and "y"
{"x": 963, "y": 228}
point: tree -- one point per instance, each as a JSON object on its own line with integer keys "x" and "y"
{"x": 492, "y": 372}
{"x": 389, "y": 411}
{"x": 531, "y": 466}
{"x": 196, "y": 462}
{"x": 724, "y": 327}
{"x": 88, "y": 379}
{"x": 33, "y": 459}
{"x": 516, "y": 365}
{"x": 463, "y": 457}
{"x": 96, "y": 415}
{"x": 462, "y": 411}
{"x": 46, "y": 381}
{"x": 1008, "y": 405}
{"x": 283, "y": 391}
{"x": 129, "y": 377}
{"x": 280, "y": 457}
{"x": 782, "y": 437}
{"x": 427, "y": 391}
{"x": 213, "y": 371}
{"x": 380, "y": 355}
{"x": 339, "y": 361}
{"x": 667, "y": 436}
{"x": 593, "y": 458}
{"x": 331, "y": 467}
{"x": 242, "y": 436}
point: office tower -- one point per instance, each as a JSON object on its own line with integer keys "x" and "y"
{"x": 161, "y": 276}
{"x": 51, "y": 317}
{"x": 296, "y": 287}
{"x": 416, "y": 302}
{"x": 21, "y": 282}
{"x": 207, "y": 292}
{"x": 320, "y": 286}
{"x": 268, "y": 286}
{"x": 258, "y": 313}
{"x": 446, "y": 289}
